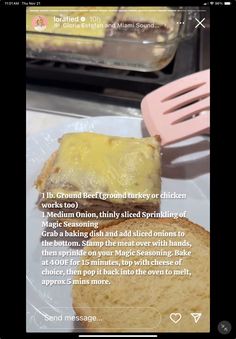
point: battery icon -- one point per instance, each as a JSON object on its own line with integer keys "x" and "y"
{"x": 227, "y": 3}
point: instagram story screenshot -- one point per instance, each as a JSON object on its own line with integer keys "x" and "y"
{"x": 123, "y": 228}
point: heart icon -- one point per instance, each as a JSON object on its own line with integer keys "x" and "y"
{"x": 175, "y": 317}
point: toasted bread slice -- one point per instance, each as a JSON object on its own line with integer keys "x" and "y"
{"x": 144, "y": 303}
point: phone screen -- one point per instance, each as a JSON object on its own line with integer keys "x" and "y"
{"x": 118, "y": 231}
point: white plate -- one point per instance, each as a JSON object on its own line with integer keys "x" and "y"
{"x": 185, "y": 170}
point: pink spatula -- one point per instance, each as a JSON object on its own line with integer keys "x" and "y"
{"x": 175, "y": 111}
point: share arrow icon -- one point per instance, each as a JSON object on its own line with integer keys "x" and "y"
{"x": 196, "y": 316}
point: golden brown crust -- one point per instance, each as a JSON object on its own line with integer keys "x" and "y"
{"x": 158, "y": 138}
{"x": 45, "y": 172}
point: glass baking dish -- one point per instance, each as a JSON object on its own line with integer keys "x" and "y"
{"x": 133, "y": 38}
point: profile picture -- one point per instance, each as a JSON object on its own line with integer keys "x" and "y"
{"x": 39, "y": 23}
